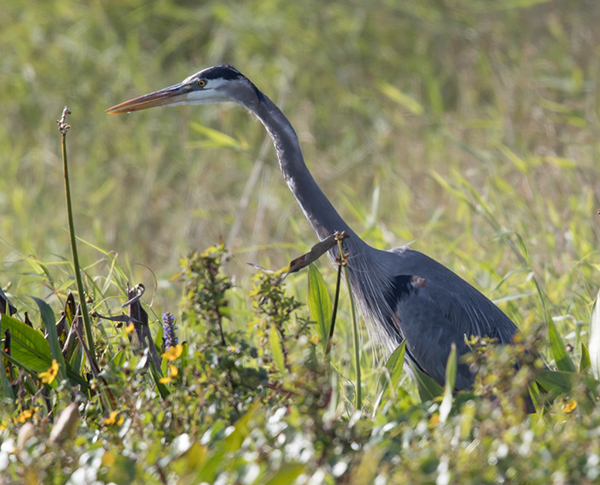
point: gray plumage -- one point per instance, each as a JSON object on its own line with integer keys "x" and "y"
{"x": 403, "y": 294}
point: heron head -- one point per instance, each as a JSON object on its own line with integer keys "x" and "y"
{"x": 213, "y": 85}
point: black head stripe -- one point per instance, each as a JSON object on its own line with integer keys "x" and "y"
{"x": 229, "y": 73}
{"x": 224, "y": 71}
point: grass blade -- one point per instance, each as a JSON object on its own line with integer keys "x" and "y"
{"x": 451, "y": 367}
{"x": 319, "y": 304}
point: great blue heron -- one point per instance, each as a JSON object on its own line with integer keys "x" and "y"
{"x": 403, "y": 294}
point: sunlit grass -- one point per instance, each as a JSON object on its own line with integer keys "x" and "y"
{"x": 469, "y": 131}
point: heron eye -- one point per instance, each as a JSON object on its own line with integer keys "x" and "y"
{"x": 201, "y": 83}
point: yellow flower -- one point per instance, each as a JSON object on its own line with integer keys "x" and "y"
{"x": 129, "y": 328}
{"x": 112, "y": 419}
{"x": 3, "y": 425}
{"x": 570, "y": 406}
{"x": 25, "y": 415}
{"x": 173, "y": 353}
{"x": 49, "y": 376}
{"x": 173, "y": 371}
{"x": 315, "y": 339}
{"x": 434, "y": 420}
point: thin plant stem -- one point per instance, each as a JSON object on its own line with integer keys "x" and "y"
{"x": 64, "y": 128}
{"x": 355, "y": 335}
{"x": 335, "y": 306}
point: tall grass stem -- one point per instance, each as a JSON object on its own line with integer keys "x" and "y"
{"x": 64, "y": 128}
{"x": 335, "y": 307}
{"x": 355, "y": 335}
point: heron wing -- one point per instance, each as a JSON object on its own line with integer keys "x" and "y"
{"x": 433, "y": 307}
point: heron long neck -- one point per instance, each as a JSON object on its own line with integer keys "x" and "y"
{"x": 322, "y": 216}
{"x": 368, "y": 267}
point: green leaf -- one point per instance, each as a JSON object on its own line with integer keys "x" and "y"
{"x": 156, "y": 375}
{"x": 30, "y": 350}
{"x": 276, "y": 349}
{"x": 594, "y": 345}
{"x": 536, "y": 398}
{"x": 286, "y": 474}
{"x": 49, "y": 322}
{"x": 5, "y": 387}
{"x": 394, "y": 366}
{"x": 209, "y": 470}
{"x": 557, "y": 382}
{"x": 427, "y": 387}
{"x": 234, "y": 441}
{"x": 559, "y": 351}
{"x": 402, "y": 99}
{"x": 28, "y": 345}
{"x": 216, "y": 139}
{"x": 451, "y": 367}
{"x": 518, "y": 162}
{"x": 584, "y": 363}
{"x": 523, "y": 248}
{"x": 119, "y": 359}
{"x": 453, "y": 191}
{"x": 319, "y": 304}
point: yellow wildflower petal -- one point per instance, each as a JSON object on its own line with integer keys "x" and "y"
{"x": 570, "y": 406}
{"x": 165, "y": 380}
{"x": 315, "y": 339}
{"x": 49, "y": 376}
{"x": 25, "y": 415}
{"x": 108, "y": 459}
{"x": 112, "y": 419}
{"x": 435, "y": 419}
{"x": 46, "y": 378}
{"x": 173, "y": 353}
{"x": 129, "y": 328}
{"x": 173, "y": 371}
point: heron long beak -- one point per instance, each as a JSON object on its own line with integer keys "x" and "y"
{"x": 176, "y": 94}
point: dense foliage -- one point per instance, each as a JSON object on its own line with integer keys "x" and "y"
{"x": 494, "y": 103}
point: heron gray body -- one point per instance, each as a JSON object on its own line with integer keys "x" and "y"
{"x": 403, "y": 294}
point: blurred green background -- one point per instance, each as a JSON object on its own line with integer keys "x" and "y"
{"x": 452, "y": 123}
